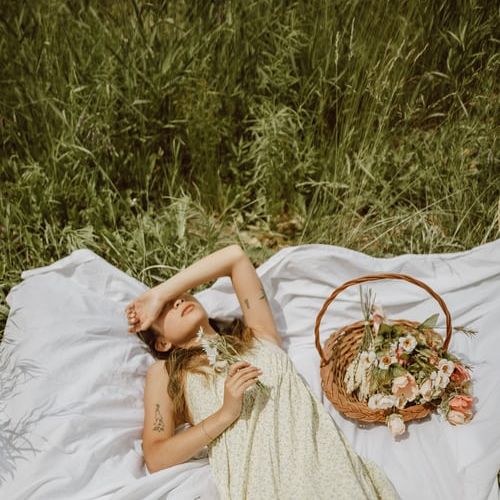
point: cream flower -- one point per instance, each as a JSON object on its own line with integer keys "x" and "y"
{"x": 207, "y": 346}
{"x": 386, "y": 360}
{"x": 439, "y": 379}
{"x": 408, "y": 342}
{"x": 456, "y": 417}
{"x": 426, "y": 389}
{"x": 381, "y": 401}
{"x": 405, "y": 386}
{"x": 396, "y": 424}
{"x": 446, "y": 366}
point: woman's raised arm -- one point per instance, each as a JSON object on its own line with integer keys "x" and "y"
{"x": 149, "y": 304}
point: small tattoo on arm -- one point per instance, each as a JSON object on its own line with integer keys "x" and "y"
{"x": 263, "y": 296}
{"x": 247, "y": 303}
{"x": 158, "y": 424}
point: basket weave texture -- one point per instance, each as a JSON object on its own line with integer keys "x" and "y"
{"x": 343, "y": 345}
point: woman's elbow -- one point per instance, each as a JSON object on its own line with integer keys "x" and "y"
{"x": 152, "y": 458}
{"x": 236, "y": 249}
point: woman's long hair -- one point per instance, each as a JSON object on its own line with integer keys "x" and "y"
{"x": 179, "y": 360}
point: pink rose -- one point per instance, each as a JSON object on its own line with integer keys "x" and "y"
{"x": 460, "y": 374}
{"x": 461, "y": 403}
{"x": 460, "y": 409}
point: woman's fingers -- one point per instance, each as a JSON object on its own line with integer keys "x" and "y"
{"x": 236, "y": 366}
{"x": 132, "y": 317}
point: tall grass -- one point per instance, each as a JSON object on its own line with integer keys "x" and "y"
{"x": 155, "y": 132}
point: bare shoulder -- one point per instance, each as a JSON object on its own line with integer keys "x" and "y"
{"x": 268, "y": 338}
{"x": 156, "y": 369}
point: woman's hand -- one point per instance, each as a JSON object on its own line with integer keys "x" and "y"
{"x": 144, "y": 310}
{"x": 240, "y": 377}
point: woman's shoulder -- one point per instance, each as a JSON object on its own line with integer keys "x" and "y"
{"x": 269, "y": 345}
{"x": 267, "y": 340}
{"x": 157, "y": 368}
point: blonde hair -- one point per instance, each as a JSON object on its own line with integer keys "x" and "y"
{"x": 178, "y": 360}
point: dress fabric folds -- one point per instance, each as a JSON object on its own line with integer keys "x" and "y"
{"x": 284, "y": 445}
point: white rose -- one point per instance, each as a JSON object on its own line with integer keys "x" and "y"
{"x": 455, "y": 417}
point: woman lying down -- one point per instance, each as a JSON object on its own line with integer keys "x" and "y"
{"x": 278, "y": 443}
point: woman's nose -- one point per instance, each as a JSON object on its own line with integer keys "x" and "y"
{"x": 178, "y": 302}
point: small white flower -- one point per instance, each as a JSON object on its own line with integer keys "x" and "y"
{"x": 385, "y": 361}
{"x": 212, "y": 356}
{"x": 425, "y": 389}
{"x": 381, "y": 401}
{"x": 440, "y": 380}
{"x": 446, "y": 366}
{"x": 408, "y": 342}
{"x": 207, "y": 346}
{"x": 374, "y": 400}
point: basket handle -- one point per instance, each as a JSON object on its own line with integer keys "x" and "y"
{"x": 376, "y": 277}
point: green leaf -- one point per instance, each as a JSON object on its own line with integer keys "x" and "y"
{"x": 430, "y": 322}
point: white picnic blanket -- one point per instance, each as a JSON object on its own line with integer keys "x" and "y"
{"x": 71, "y": 379}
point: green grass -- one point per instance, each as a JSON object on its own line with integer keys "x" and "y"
{"x": 154, "y": 133}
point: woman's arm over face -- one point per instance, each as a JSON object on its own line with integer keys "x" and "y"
{"x": 215, "y": 265}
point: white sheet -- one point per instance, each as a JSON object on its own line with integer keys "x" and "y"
{"x": 72, "y": 379}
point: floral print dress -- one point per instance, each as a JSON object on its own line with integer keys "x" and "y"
{"x": 285, "y": 445}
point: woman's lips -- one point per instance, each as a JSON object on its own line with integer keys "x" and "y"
{"x": 187, "y": 309}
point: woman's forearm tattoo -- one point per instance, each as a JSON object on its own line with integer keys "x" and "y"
{"x": 158, "y": 424}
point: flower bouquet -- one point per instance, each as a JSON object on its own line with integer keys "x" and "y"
{"x": 394, "y": 371}
{"x": 221, "y": 354}
{"x": 401, "y": 365}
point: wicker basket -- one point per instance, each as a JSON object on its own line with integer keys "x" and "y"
{"x": 342, "y": 346}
